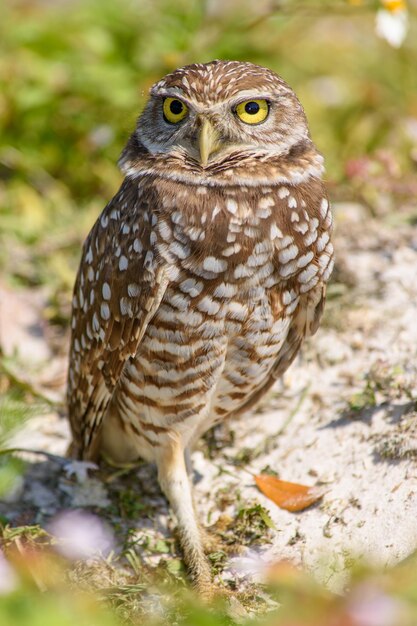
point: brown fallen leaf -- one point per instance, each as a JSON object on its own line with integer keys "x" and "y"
{"x": 289, "y": 496}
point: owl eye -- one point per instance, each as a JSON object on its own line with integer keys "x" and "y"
{"x": 174, "y": 110}
{"x": 252, "y": 111}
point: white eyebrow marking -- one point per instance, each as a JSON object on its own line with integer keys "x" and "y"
{"x": 250, "y": 94}
{"x": 199, "y": 107}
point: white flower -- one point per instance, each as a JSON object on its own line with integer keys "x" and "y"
{"x": 392, "y": 22}
{"x": 81, "y": 535}
{"x": 250, "y": 565}
{"x": 8, "y": 578}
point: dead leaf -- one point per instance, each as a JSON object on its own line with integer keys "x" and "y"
{"x": 289, "y": 496}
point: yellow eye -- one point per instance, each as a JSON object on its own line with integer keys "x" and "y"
{"x": 174, "y": 110}
{"x": 252, "y": 111}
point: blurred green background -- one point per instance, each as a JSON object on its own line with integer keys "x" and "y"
{"x": 74, "y": 76}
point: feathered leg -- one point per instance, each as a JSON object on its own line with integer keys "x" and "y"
{"x": 174, "y": 481}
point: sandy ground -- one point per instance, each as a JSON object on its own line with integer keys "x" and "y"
{"x": 344, "y": 417}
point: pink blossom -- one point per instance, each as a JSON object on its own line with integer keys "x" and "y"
{"x": 81, "y": 535}
{"x": 369, "y": 606}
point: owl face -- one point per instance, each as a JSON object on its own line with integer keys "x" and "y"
{"x": 204, "y": 113}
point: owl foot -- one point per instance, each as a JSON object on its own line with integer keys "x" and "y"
{"x": 212, "y": 542}
{"x": 213, "y": 537}
{"x": 200, "y": 574}
{"x": 79, "y": 469}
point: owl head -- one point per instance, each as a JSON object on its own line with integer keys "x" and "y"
{"x": 206, "y": 118}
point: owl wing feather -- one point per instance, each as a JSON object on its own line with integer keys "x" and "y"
{"x": 115, "y": 297}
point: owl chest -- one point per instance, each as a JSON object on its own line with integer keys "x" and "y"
{"x": 213, "y": 259}
{"x": 220, "y": 267}
{"x": 228, "y": 332}
{"x": 220, "y": 281}
{"x": 227, "y": 305}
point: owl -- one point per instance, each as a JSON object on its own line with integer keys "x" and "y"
{"x": 202, "y": 276}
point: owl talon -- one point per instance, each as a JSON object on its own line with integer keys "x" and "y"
{"x": 79, "y": 469}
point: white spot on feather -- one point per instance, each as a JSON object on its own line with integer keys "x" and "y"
{"x": 106, "y": 291}
{"x": 243, "y": 271}
{"x": 209, "y": 306}
{"x": 133, "y": 290}
{"x": 225, "y": 290}
{"x": 266, "y": 202}
{"x": 137, "y": 245}
{"x": 307, "y": 286}
{"x": 125, "y": 307}
{"x": 231, "y": 206}
{"x": 301, "y": 228}
{"x": 104, "y": 311}
{"x": 232, "y": 249}
{"x": 322, "y": 241}
{"x": 148, "y": 260}
{"x": 165, "y": 231}
{"x": 288, "y": 269}
{"x": 123, "y": 263}
{"x": 211, "y": 264}
{"x": 305, "y": 259}
{"x": 275, "y": 232}
{"x": 192, "y": 287}
{"x": 216, "y": 211}
{"x": 310, "y": 238}
{"x": 328, "y": 271}
{"x": 288, "y": 254}
{"x": 308, "y": 273}
{"x": 89, "y": 255}
{"x": 283, "y": 192}
{"x": 324, "y": 206}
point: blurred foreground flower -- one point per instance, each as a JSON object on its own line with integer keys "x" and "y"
{"x": 252, "y": 566}
{"x": 370, "y": 606}
{"x": 392, "y": 22}
{"x": 8, "y": 578}
{"x": 81, "y": 535}
{"x": 249, "y": 565}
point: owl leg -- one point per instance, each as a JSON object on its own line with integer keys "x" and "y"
{"x": 188, "y": 462}
{"x": 174, "y": 481}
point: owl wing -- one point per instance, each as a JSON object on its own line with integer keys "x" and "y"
{"x": 119, "y": 286}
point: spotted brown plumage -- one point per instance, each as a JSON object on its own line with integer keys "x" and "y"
{"x": 201, "y": 278}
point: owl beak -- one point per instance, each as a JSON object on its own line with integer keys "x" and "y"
{"x": 208, "y": 141}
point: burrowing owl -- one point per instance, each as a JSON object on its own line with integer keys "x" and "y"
{"x": 201, "y": 277}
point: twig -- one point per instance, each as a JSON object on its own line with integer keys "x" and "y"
{"x": 26, "y": 385}
{"x": 61, "y": 460}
